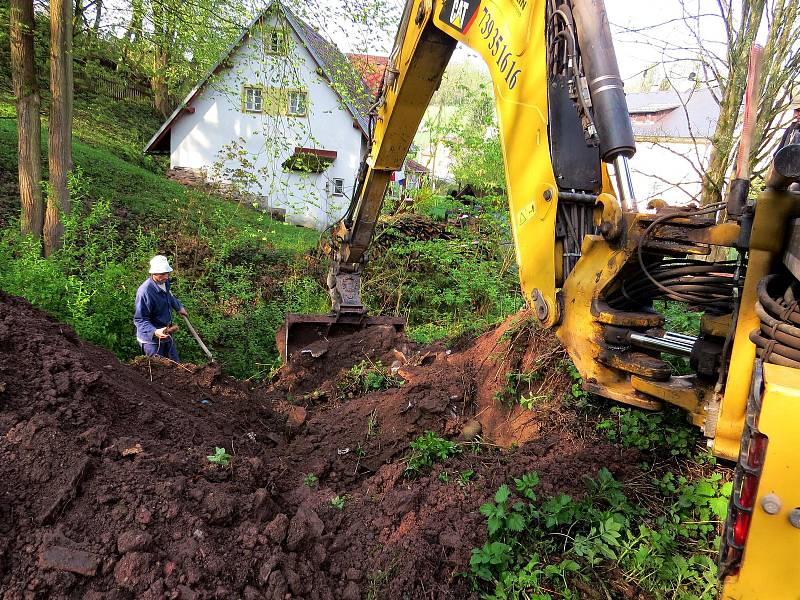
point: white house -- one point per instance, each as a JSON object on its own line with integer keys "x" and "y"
{"x": 673, "y": 142}
{"x": 282, "y": 115}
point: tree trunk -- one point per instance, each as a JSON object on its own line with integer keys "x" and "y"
{"x": 77, "y": 18}
{"x": 158, "y": 83}
{"x": 740, "y": 38}
{"x": 60, "y": 136}
{"x": 98, "y": 11}
{"x": 29, "y": 127}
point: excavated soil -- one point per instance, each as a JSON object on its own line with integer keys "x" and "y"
{"x": 106, "y": 490}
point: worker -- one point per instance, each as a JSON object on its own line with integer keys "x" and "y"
{"x": 153, "y": 313}
{"x": 792, "y": 133}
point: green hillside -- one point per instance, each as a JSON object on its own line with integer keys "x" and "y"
{"x": 237, "y": 270}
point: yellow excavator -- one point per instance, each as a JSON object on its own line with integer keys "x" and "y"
{"x": 592, "y": 259}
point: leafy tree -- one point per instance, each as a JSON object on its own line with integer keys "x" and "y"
{"x": 462, "y": 120}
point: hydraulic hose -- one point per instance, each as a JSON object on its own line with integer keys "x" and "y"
{"x": 788, "y": 312}
{"x": 778, "y": 339}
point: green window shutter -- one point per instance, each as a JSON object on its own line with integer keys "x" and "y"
{"x": 274, "y": 101}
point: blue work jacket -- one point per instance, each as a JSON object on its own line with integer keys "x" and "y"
{"x": 153, "y": 309}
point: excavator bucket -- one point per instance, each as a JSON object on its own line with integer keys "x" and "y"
{"x": 303, "y": 333}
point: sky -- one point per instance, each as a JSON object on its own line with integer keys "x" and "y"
{"x": 636, "y": 50}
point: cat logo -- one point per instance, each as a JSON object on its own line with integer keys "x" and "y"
{"x": 459, "y": 13}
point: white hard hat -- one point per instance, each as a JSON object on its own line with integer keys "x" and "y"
{"x": 159, "y": 264}
{"x": 794, "y": 103}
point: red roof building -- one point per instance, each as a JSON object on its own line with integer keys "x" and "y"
{"x": 371, "y": 68}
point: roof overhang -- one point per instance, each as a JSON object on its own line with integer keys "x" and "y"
{"x": 310, "y": 160}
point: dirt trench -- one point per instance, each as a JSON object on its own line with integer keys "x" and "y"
{"x": 106, "y": 490}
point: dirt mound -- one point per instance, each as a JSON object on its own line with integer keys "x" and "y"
{"x": 107, "y": 491}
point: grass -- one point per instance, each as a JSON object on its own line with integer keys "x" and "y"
{"x": 150, "y": 198}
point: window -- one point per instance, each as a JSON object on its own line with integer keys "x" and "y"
{"x": 276, "y": 41}
{"x": 298, "y": 103}
{"x": 338, "y": 186}
{"x": 252, "y": 99}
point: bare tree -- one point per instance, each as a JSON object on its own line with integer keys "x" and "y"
{"x": 29, "y": 128}
{"x": 60, "y": 126}
{"x": 731, "y": 82}
{"x": 721, "y": 63}
{"x": 98, "y": 13}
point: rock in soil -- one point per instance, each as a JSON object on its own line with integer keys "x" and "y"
{"x": 106, "y": 490}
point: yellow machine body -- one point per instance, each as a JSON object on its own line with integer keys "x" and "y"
{"x": 769, "y": 564}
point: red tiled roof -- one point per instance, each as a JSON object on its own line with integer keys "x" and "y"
{"x": 371, "y": 68}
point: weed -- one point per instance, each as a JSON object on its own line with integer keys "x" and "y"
{"x": 678, "y": 317}
{"x": 376, "y": 582}
{"x": 311, "y": 480}
{"x": 372, "y": 426}
{"x": 501, "y": 517}
{"x": 520, "y": 326}
{"x": 464, "y": 477}
{"x": 530, "y": 402}
{"x": 428, "y": 449}
{"x": 338, "y": 502}
{"x": 220, "y": 457}
{"x": 537, "y": 548}
{"x": 367, "y": 376}
{"x": 516, "y": 381}
{"x": 491, "y": 558}
{"x": 633, "y": 428}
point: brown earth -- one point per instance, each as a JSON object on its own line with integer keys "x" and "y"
{"x": 106, "y": 491}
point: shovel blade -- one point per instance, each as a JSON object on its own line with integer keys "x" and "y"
{"x": 302, "y": 332}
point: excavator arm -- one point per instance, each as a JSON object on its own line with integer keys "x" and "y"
{"x": 539, "y": 55}
{"x": 591, "y": 264}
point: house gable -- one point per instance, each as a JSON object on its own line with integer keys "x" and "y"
{"x": 330, "y": 62}
{"x": 271, "y": 123}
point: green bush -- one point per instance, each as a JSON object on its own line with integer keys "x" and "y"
{"x": 667, "y": 432}
{"x": 90, "y": 283}
{"x": 447, "y": 287}
{"x": 535, "y": 548}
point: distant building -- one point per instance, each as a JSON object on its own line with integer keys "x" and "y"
{"x": 283, "y": 115}
{"x": 673, "y": 142}
{"x": 371, "y": 67}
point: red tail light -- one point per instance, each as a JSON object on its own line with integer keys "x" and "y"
{"x": 745, "y": 485}
{"x": 745, "y": 500}
{"x": 757, "y": 450}
{"x": 740, "y": 528}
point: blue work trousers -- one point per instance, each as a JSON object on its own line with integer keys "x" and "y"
{"x": 165, "y": 348}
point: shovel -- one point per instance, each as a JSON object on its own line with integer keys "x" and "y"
{"x": 197, "y": 337}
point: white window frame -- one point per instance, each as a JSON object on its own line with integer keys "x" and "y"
{"x": 302, "y": 108}
{"x": 249, "y": 103}
{"x": 337, "y": 186}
